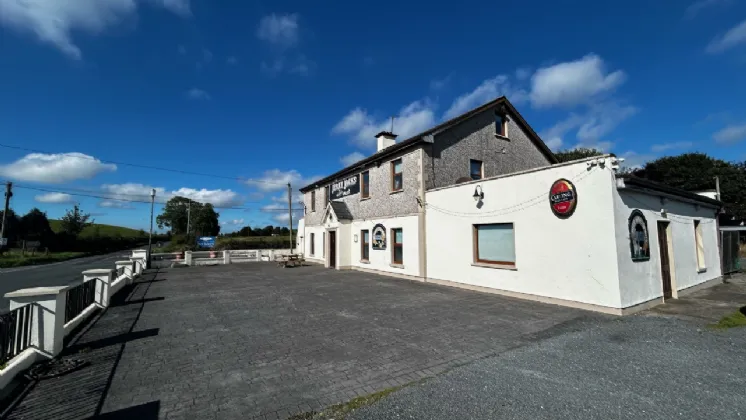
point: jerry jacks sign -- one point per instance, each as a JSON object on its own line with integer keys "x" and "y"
{"x": 345, "y": 187}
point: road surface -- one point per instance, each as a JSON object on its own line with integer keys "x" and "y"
{"x": 55, "y": 274}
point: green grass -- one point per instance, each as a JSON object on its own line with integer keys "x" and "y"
{"x": 339, "y": 411}
{"x": 101, "y": 229}
{"x": 734, "y": 320}
{"x": 15, "y": 259}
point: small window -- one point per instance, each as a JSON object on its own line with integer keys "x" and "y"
{"x": 313, "y": 202}
{"x": 700, "y": 245}
{"x": 365, "y": 184}
{"x": 494, "y": 244}
{"x": 501, "y": 125}
{"x": 397, "y": 250}
{"x": 365, "y": 245}
{"x": 326, "y": 195}
{"x": 397, "y": 180}
{"x": 313, "y": 247}
{"x": 476, "y": 169}
{"x": 323, "y": 244}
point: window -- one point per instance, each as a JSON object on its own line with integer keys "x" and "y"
{"x": 326, "y": 195}
{"x": 501, "y": 125}
{"x": 397, "y": 250}
{"x": 365, "y": 245}
{"x": 313, "y": 202}
{"x": 494, "y": 244}
{"x": 397, "y": 180}
{"x": 313, "y": 248}
{"x": 476, "y": 169}
{"x": 700, "y": 245}
{"x": 365, "y": 184}
{"x": 323, "y": 243}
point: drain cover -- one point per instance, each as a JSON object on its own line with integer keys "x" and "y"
{"x": 55, "y": 368}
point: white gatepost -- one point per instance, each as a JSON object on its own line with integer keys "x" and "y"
{"x": 139, "y": 265}
{"x": 48, "y": 316}
{"x": 226, "y": 257}
{"x": 129, "y": 269}
{"x": 103, "y": 278}
{"x": 188, "y": 258}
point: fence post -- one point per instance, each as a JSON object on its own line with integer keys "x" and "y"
{"x": 47, "y": 316}
{"x": 188, "y": 258}
{"x": 226, "y": 257}
{"x": 129, "y": 269}
{"x": 103, "y": 278}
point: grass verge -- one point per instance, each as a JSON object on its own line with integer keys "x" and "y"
{"x": 734, "y": 320}
{"x": 339, "y": 411}
{"x": 17, "y": 260}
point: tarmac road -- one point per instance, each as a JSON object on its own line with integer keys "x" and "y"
{"x": 55, "y": 274}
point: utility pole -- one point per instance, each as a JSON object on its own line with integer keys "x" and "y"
{"x": 8, "y": 194}
{"x": 189, "y": 215}
{"x": 150, "y": 238}
{"x": 717, "y": 186}
{"x": 290, "y": 213}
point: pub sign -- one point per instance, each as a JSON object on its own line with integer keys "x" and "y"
{"x": 345, "y": 187}
{"x": 563, "y": 198}
{"x": 379, "y": 237}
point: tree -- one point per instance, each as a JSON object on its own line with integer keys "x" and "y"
{"x": 696, "y": 172}
{"x": 206, "y": 220}
{"x": 577, "y": 153}
{"x": 74, "y": 221}
{"x": 174, "y": 215}
{"x": 245, "y": 231}
{"x": 34, "y": 225}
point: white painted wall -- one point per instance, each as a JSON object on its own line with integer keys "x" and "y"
{"x": 381, "y": 259}
{"x": 641, "y": 281}
{"x": 573, "y": 259}
{"x": 318, "y": 256}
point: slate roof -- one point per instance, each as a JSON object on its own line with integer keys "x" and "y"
{"x": 341, "y": 210}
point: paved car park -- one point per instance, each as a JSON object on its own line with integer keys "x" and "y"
{"x": 258, "y": 341}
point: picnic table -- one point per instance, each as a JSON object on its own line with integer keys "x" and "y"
{"x": 290, "y": 260}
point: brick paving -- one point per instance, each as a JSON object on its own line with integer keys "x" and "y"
{"x": 257, "y": 341}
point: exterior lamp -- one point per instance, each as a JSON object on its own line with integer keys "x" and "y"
{"x": 478, "y": 193}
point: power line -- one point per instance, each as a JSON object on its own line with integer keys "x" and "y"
{"x": 157, "y": 168}
{"x": 103, "y": 197}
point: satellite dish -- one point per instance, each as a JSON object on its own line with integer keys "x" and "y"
{"x": 463, "y": 179}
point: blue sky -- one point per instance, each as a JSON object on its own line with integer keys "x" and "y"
{"x": 275, "y": 92}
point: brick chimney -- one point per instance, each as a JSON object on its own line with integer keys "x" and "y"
{"x": 385, "y": 139}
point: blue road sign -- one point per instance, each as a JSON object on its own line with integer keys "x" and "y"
{"x": 206, "y": 241}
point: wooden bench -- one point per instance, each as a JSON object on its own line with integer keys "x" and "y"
{"x": 291, "y": 260}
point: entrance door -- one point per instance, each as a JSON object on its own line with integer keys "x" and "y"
{"x": 665, "y": 260}
{"x": 332, "y": 249}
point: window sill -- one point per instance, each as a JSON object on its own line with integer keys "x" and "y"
{"x": 498, "y": 266}
{"x": 701, "y": 270}
{"x": 365, "y": 261}
{"x": 365, "y": 198}
{"x": 396, "y": 265}
{"x": 501, "y": 137}
{"x": 397, "y": 191}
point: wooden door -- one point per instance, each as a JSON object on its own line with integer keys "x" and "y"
{"x": 332, "y": 249}
{"x": 665, "y": 260}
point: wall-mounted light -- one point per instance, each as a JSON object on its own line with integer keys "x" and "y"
{"x": 478, "y": 193}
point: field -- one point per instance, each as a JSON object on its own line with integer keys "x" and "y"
{"x": 14, "y": 258}
{"x": 251, "y": 242}
{"x": 101, "y": 230}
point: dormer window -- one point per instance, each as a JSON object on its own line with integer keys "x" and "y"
{"x": 501, "y": 125}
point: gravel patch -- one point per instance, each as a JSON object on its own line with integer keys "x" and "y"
{"x": 628, "y": 368}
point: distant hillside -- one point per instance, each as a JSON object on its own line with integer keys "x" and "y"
{"x": 101, "y": 230}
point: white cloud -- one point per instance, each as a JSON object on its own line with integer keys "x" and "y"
{"x": 634, "y": 160}
{"x": 300, "y": 65}
{"x": 730, "y": 134}
{"x": 735, "y": 36}
{"x": 489, "y": 90}
{"x": 522, "y": 73}
{"x": 55, "y": 168}
{"x": 114, "y": 204}
{"x": 53, "y": 22}
{"x": 361, "y": 126}
{"x": 54, "y": 198}
{"x": 231, "y": 60}
{"x": 198, "y": 94}
{"x": 234, "y": 222}
{"x": 601, "y": 146}
{"x": 554, "y": 136}
{"x": 602, "y": 119}
{"x": 695, "y": 8}
{"x": 572, "y": 83}
{"x": 439, "y": 84}
{"x": 277, "y": 30}
{"x": 353, "y": 157}
{"x": 670, "y": 146}
{"x": 280, "y": 212}
{"x": 276, "y": 180}
{"x": 218, "y": 198}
